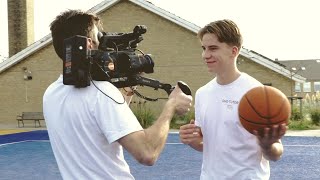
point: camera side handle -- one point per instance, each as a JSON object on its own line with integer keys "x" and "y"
{"x": 144, "y": 81}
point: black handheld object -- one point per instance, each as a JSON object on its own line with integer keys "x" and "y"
{"x": 184, "y": 87}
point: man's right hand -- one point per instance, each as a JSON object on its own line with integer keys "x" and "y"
{"x": 191, "y": 134}
{"x": 180, "y": 100}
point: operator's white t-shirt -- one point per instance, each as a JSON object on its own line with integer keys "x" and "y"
{"x": 229, "y": 151}
{"x": 84, "y": 126}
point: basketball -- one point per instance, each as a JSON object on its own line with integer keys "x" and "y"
{"x": 263, "y": 107}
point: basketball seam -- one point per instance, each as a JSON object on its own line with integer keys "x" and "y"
{"x": 254, "y": 109}
{"x": 282, "y": 105}
{"x": 268, "y": 100}
{"x": 250, "y": 121}
{"x": 268, "y": 110}
{"x": 267, "y": 103}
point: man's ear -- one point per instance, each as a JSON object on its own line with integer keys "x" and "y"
{"x": 235, "y": 50}
{"x": 89, "y": 43}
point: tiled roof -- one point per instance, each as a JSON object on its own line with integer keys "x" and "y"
{"x": 311, "y": 68}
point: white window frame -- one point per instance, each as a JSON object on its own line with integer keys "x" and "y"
{"x": 316, "y": 86}
{"x": 307, "y": 87}
{"x": 297, "y": 87}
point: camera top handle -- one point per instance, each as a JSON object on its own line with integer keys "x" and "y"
{"x": 121, "y": 41}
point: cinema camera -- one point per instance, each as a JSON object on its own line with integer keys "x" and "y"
{"x": 116, "y": 61}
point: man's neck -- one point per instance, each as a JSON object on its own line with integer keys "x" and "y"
{"x": 228, "y": 77}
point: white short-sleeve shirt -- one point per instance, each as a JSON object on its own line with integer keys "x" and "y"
{"x": 229, "y": 151}
{"x": 84, "y": 125}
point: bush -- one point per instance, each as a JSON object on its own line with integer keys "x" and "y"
{"x": 296, "y": 115}
{"x": 144, "y": 115}
{"x": 177, "y": 121}
{"x": 300, "y": 125}
{"x": 315, "y": 115}
{"x": 312, "y": 107}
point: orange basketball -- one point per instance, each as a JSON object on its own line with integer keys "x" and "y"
{"x": 262, "y": 107}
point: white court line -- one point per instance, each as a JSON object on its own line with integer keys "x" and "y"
{"x": 174, "y": 143}
{"x": 308, "y": 145}
{"x": 174, "y": 132}
{"x": 23, "y": 142}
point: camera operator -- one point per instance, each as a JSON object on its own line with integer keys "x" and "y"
{"x": 88, "y": 129}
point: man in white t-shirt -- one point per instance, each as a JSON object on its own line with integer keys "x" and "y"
{"x": 229, "y": 151}
{"x": 89, "y": 127}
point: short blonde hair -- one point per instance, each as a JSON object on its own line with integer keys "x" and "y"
{"x": 226, "y": 31}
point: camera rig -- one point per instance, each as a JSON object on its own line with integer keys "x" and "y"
{"x": 116, "y": 60}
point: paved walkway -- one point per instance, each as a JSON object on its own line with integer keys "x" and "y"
{"x": 315, "y": 132}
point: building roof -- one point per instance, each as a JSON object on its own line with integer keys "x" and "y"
{"x": 311, "y": 68}
{"x": 104, "y": 5}
{"x": 274, "y": 65}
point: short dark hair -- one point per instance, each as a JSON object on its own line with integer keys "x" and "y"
{"x": 226, "y": 31}
{"x": 70, "y": 23}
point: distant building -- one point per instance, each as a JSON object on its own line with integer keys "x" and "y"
{"x": 310, "y": 69}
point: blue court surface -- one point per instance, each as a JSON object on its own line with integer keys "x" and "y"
{"x": 28, "y": 155}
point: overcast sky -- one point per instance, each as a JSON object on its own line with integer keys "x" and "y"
{"x": 283, "y": 29}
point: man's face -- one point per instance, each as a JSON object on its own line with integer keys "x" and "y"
{"x": 95, "y": 41}
{"x": 218, "y": 56}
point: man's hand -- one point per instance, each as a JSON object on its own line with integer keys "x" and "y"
{"x": 129, "y": 91}
{"x": 191, "y": 135}
{"x": 270, "y": 135}
{"x": 180, "y": 101}
{"x": 270, "y": 141}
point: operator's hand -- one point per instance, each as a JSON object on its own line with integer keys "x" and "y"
{"x": 189, "y": 133}
{"x": 270, "y": 135}
{"x": 181, "y": 101}
{"x": 129, "y": 91}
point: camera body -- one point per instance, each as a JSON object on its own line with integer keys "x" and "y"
{"x": 116, "y": 59}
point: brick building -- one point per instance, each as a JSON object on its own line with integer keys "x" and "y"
{"x": 171, "y": 40}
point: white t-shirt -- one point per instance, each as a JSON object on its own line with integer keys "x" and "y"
{"x": 229, "y": 151}
{"x": 84, "y": 126}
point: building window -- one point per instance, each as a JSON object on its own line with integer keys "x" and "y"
{"x": 297, "y": 87}
{"x": 317, "y": 86}
{"x": 307, "y": 87}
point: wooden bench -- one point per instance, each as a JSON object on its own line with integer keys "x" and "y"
{"x": 33, "y": 116}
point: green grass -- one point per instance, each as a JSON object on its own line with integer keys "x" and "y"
{"x": 302, "y": 125}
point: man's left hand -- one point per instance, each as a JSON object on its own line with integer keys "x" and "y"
{"x": 270, "y": 135}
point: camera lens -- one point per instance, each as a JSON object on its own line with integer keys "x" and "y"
{"x": 148, "y": 64}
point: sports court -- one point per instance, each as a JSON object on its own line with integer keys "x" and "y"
{"x": 28, "y": 155}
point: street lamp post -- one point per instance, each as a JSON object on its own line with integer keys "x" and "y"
{"x": 293, "y": 71}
